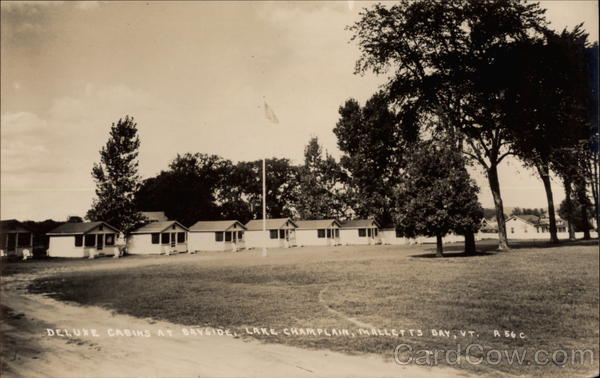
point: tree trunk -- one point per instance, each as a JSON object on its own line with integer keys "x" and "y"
{"x": 440, "y": 246}
{"x": 470, "y": 249}
{"x": 492, "y": 174}
{"x": 580, "y": 188}
{"x": 595, "y": 189}
{"x": 544, "y": 172}
{"x": 569, "y": 204}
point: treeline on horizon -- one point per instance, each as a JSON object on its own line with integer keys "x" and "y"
{"x": 468, "y": 84}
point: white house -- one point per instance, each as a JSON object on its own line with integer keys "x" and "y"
{"x": 162, "y": 237}
{"x": 318, "y": 232}
{"x": 14, "y": 238}
{"x": 360, "y": 231}
{"x": 216, "y": 236}
{"x": 280, "y": 233}
{"x": 83, "y": 240}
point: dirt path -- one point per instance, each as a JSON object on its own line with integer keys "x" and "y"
{"x": 28, "y": 351}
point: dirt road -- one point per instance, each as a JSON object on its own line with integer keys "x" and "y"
{"x": 28, "y": 350}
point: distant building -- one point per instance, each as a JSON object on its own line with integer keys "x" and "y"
{"x": 318, "y": 232}
{"x": 280, "y": 233}
{"x": 155, "y": 216}
{"x": 83, "y": 239}
{"x": 14, "y": 238}
{"x": 160, "y": 237}
{"x": 225, "y": 235}
{"x": 530, "y": 226}
{"x": 360, "y": 231}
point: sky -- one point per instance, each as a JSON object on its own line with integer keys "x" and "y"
{"x": 194, "y": 75}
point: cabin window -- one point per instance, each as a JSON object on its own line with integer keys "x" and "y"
{"x": 362, "y": 232}
{"x": 281, "y": 234}
{"x": 172, "y": 227}
{"x": 374, "y": 232}
{"x": 155, "y": 238}
{"x": 512, "y": 230}
{"x": 90, "y": 240}
{"x": 78, "y": 240}
{"x": 240, "y": 235}
{"x": 109, "y": 239}
{"x": 24, "y": 239}
{"x": 337, "y": 233}
{"x": 321, "y": 233}
{"x": 398, "y": 234}
{"x": 181, "y": 237}
{"x": 228, "y": 236}
{"x": 164, "y": 238}
{"x": 273, "y": 234}
{"x": 329, "y": 233}
{"x": 219, "y": 236}
{"x": 370, "y": 232}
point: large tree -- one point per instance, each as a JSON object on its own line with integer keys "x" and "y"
{"x": 280, "y": 183}
{"x": 544, "y": 100}
{"x": 437, "y": 196}
{"x": 434, "y": 52}
{"x": 318, "y": 194}
{"x": 187, "y": 190}
{"x": 371, "y": 140}
{"x": 117, "y": 178}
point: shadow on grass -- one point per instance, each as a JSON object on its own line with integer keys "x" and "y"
{"x": 490, "y": 247}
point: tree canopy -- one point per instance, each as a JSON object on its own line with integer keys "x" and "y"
{"x": 117, "y": 178}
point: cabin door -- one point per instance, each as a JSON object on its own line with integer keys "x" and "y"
{"x": 99, "y": 242}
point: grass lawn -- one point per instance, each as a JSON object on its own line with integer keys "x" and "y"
{"x": 550, "y": 294}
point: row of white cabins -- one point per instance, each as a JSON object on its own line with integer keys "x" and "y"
{"x": 163, "y": 236}
{"x": 169, "y": 236}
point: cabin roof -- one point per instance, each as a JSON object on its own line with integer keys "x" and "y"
{"x": 316, "y": 224}
{"x": 153, "y": 227}
{"x": 360, "y": 223}
{"x": 215, "y": 225}
{"x": 13, "y": 225}
{"x": 272, "y": 224}
{"x": 78, "y": 228}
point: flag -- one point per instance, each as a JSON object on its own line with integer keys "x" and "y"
{"x": 270, "y": 114}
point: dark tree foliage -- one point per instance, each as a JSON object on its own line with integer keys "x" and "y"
{"x": 526, "y": 211}
{"x": 372, "y": 142}
{"x": 436, "y": 195}
{"x": 319, "y": 194}
{"x": 281, "y": 180}
{"x": 117, "y": 179}
{"x": 187, "y": 191}
{"x": 545, "y": 100}
{"x": 435, "y": 52}
{"x": 207, "y": 187}
{"x": 573, "y": 213}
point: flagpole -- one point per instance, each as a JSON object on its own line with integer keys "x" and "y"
{"x": 264, "y": 207}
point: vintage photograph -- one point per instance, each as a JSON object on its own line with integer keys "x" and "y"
{"x": 299, "y": 188}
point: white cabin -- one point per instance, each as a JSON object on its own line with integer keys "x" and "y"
{"x": 216, "y": 236}
{"x": 14, "y": 238}
{"x": 162, "y": 237}
{"x": 360, "y": 232}
{"x": 318, "y": 232}
{"x": 85, "y": 239}
{"x": 280, "y": 233}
